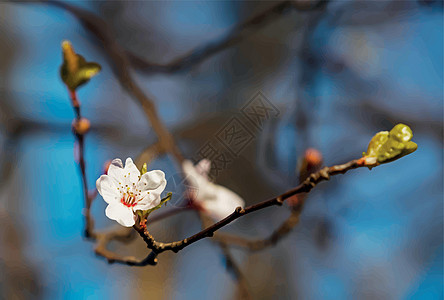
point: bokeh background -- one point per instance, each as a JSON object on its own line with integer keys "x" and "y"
{"x": 337, "y": 74}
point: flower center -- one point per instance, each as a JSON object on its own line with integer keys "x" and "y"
{"x": 129, "y": 200}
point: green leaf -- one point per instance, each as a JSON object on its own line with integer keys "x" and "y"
{"x": 389, "y": 146}
{"x": 75, "y": 70}
{"x": 145, "y": 213}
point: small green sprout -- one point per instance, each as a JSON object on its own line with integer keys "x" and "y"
{"x": 389, "y": 146}
{"x": 75, "y": 70}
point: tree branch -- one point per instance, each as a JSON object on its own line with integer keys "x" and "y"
{"x": 80, "y": 140}
{"x": 305, "y": 187}
{"x": 234, "y": 36}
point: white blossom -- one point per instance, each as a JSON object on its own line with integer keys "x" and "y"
{"x": 126, "y": 191}
{"x": 217, "y": 201}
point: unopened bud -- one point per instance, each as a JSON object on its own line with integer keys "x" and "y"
{"x": 310, "y": 162}
{"x": 313, "y": 157}
{"x": 81, "y": 126}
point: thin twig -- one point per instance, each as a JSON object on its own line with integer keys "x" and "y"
{"x": 120, "y": 64}
{"x": 80, "y": 140}
{"x": 305, "y": 187}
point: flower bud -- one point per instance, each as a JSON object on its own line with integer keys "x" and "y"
{"x": 313, "y": 157}
{"x": 81, "y": 126}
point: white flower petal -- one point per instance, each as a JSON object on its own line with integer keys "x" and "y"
{"x": 122, "y": 214}
{"x": 192, "y": 176}
{"x": 152, "y": 180}
{"x": 117, "y": 162}
{"x": 147, "y": 202}
{"x": 188, "y": 167}
{"x": 203, "y": 167}
{"x": 115, "y": 170}
{"x": 225, "y": 203}
{"x": 130, "y": 171}
{"x": 203, "y": 189}
{"x": 151, "y": 186}
{"x": 217, "y": 201}
{"x": 107, "y": 187}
